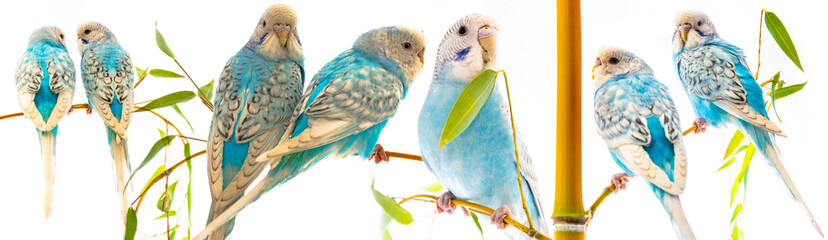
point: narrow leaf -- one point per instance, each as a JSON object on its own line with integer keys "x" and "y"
{"x": 160, "y": 144}
{"x": 736, "y": 212}
{"x": 774, "y": 85}
{"x": 178, "y": 110}
{"x": 168, "y": 100}
{"x": 385, "y": 235}
{"x": 141, "y": 72}
{"x": 131, "y": 225}
{"x": 207, "y": 89}
{"x": 162, "y": 44}
{"x": 383, "y": 225}
{"x": 170, "y": 213}
{"x": 164, "y": 201}
{"x": 161, "y": 73}
{"x": 726, "y": 164}
{"x": 189, "y": 189}
{"x": 476, "y": 222}
{"x": 780, "y": 34}
{"x": 787, "y": 91}
{"x": 392, "y": 208}
{"x": 468, "y": 105}
{"x": 734, "y": 142}
{"x": 751, "y": 150}
{"x": 158, "y": 172}
{"x": 434, "y": 187}
{"x": 735, "y": 234}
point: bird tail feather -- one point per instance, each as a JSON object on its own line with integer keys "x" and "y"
{"x": 226, "y": 219}
{"x": 766, "y": 145}
{"x": 672, "y": 204}
{"x": 47, "y": 151}
{"x": 118, "y": 148}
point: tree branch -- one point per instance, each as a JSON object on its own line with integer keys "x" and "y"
{"x": 160, "y": 176}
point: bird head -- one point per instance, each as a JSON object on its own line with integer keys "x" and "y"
{"x": 92, "y": 32}
{"x": 403, "y": 46}
{"x": 469, "y": 46}
{"x": 693, "y": 27}
{"x": 613, "y": 61}
{"x": 276, "y": 35}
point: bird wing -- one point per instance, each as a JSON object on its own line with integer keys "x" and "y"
{"x": 108, "y": 78}
{"x": 621, "y": 113}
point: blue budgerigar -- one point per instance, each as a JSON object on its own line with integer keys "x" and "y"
{"x": 45, "y": 80}
{"x": 344, "y": 109}
{"x": 108, "y": 79}
{"x": 479, "y": 164}
{"x": 636, "y": 117}
{"x": 257, "y": 92}
{"x": 718, "y": 82}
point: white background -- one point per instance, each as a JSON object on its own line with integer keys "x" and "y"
{"x": 333, "y": 199}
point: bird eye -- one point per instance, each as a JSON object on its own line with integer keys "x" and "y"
{"x": 264, "y": 23}
{"x": 86, "y": 31}
{"x": 61, "y": 36}
{"x": 462, "y": 30}
{"x": 406, "y": 45}
{"x": 613, "y": 61}
{"x": 699, "y": 23}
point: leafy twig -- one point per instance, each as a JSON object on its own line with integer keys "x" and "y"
{"x": 162, "y": 175}
{"x": 517, "y": 156}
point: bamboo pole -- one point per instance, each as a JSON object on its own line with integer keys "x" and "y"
{"x": 568, "y": 216}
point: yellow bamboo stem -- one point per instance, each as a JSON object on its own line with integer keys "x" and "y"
{"x": 568, "y": 215}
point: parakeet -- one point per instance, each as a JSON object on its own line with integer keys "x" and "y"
{"x": 344, "y": 109}
{"x": 719, "y": 83}
{"x": 479, "y": 164}
{"x": 258, "y": 90}
{"x": 107, "y": 74}
{"x": 636, "y": 117}
{"x": 45, "y": 81}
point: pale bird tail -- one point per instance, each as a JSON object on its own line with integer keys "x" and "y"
{"x": 765, "y": 144}
{"x": 47, "y": 151}
{"x": 221, "y": 221}
{"x": 673, "y": 206}
{"x": 118, "y": 148}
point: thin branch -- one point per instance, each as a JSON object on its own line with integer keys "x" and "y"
{"x": 607, "y": 191}
{"x": 689, "y": 130}
{"x": 200, "y": 93}
{"x": 141, "y": 79}
{"x": 159, "y": 177}
{"x": 759, "y": 51}
{"x": 517, "y": 156}
{"x": 183, "y": 141}
{"x": 404, "y": 155}
{"x": 486, "y": 211}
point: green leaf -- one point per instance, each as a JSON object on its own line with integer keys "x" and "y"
{"x": 734, "y": 142}
{"x": 726, "y": 164}
{"x": 434, "y": 187}
{"x": 780, "y": 34}
{"x": 385, "y": 235}
{"x": 468, "y": 104}
{"x": 162, "y": 133}
{"x": 207, "y": 89}
{"x": 161, "y": 73}
{"x": 774, "y": 85}
{"x": 163, "y": 202}
{"x": 736, "y": 212}
{"x": 162, "y": 44}
{"x": 168, "y": 100}
{"x": 161, "y": 143}
{"x": 178, "y": 110}
{"x": 170, "y": 213}
{"x": 476, "y": 223}
{"x": 141, "y": 72}
{"x": 131, "y": 225}
{"x": 189, "y": 188}
{"x": 787, "y": 91}
{"x": 751, "y": 150}
{"x": 735, "y": 234}
{"x": 392, "y": 208}
{"x": 158, "y": 172}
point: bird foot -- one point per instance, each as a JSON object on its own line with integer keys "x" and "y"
{"x": 619, "y": 181}
{"x": 89, "y": 110}
{"x": 444, "y": 204}
{"x": 701, "y": 125}
{"x": 500, "y": 215}
{"x": 379, "y": 155}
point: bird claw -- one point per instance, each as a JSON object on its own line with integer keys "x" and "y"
{"x": 89, "y": 110}
{"x": 619, "y": 181}
{"x": 701, "y": 125}
{"x": 379, "y": 154}
{"x": 499, "y": 216}
{"x": 444, "y": 204}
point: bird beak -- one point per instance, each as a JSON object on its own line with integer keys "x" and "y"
{"x": 597, "y": 64}
{"x": 487, "y": 37}
{"x": 420, "y": 55}
{"x": 282, "y": 32}
{"x": 683, "y": 30}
